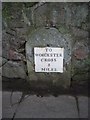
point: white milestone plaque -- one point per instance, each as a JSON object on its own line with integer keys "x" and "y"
{"x": 48, "y": 59}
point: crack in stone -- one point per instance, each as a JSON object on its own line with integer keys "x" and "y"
{"x": 18, "y": 103}
{"x": 77, "y": 105}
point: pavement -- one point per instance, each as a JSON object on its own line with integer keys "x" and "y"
{"x": 31, "y": 106}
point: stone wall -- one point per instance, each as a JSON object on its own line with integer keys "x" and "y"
{"x": 21, "y": 19}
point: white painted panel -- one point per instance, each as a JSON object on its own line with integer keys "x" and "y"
{"x": 48, "y": 59}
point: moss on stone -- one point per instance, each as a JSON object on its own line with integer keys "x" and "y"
{"x": 6, "y": 11}
{"x": 63, "y": 29}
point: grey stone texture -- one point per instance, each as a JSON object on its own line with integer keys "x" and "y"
{"x": 43, "y": 37}
{"x": 22, "y": 19}
{"x": 83, "y": 106}
{"x": 73, "y": 14}
{"x": 36, "y": 107}
{"x": 7, "y": 108}
{"x": 50, "y": 107}
{"x": 70, "y": 19}
{"x": 0, "y": 103}
{"x": 0, "y": 61}
{"x": 14, "y": 70}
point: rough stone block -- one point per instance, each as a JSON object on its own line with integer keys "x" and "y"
{"x": 14, "y": 70}
{"x": 43, "y": 37}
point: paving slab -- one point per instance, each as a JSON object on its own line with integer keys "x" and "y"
{"x": 63, "y": 106}
{"x": 83, "y": 106}
{"x": 0, "y": 104}
{"x": 7, "y": 109}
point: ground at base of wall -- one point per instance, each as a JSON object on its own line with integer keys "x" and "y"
{"x": 43, "y": 89}
{"x": 31, "y": 106}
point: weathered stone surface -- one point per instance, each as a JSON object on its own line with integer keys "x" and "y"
{"x": 0, "y": 103}
{"x": 81, "y": 50}
{"x": 83, "y": 106}
{"x": 14, "y": 70}
{"x": 5, "y": 44}
{"x": 8, "y": 105}
{"x": 36, "y": 107}
{"x": 51, "y": 107}
{"x": 81, "y": 77}
{"x": 80, "y": 60}
{"x": 42, "y": 38}
{"x": 79, "y": 32}
{"x": 0, "y": 81}
{"x": 13, "y": 55}
{"x": 0, "y": 73}
{"x": 2, "y": 61}
{"x": 79, "y": 14}
{"x": 1, "y": 46}
{"x": 39, "y": 15}
{"x": 73, "y": 14}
